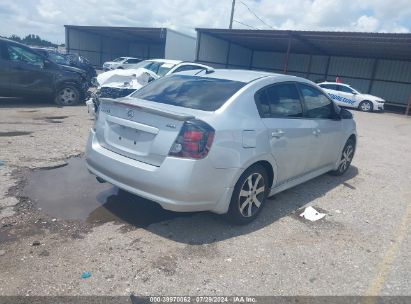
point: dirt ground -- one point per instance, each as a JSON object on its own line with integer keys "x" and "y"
{"x": 58, "y": 222}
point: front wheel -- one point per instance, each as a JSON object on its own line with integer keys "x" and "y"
{"x": 249, "y": 195}
{"x": 67, "y": 95}
{"x": 346, "y": 158}
{"x": 366, "y": 106}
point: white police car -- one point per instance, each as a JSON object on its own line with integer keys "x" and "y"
{"x": 346, "y": 96}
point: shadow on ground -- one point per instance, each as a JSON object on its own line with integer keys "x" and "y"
{"x": 70, "y": 192}
{"x": 29, "y": 103}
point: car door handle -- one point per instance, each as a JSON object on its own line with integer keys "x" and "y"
{"x": 277, "y": 133}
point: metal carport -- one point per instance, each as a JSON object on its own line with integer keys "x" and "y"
{"x": 103, "y": 43}
{"x": 374, "y": 63}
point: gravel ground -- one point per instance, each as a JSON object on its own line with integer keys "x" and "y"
{"x": 361, "y": 247}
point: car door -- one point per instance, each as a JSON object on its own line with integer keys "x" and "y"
{"x": 290, "y": 133}
{"x": 348, "y": 96}
{"x": 5, "y": 89}
{"x": 332, "y": 91}
{"x": 27, "y": 71}
{"x": 328, "y": 131}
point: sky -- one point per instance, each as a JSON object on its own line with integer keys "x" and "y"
{"x": 47, "y": 17}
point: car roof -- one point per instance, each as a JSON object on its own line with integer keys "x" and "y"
{"x": 336, "y": 83}
{"x": 242, "y": 75}
{"x": 12, "y": 41}
{"x": 166, "y": 61}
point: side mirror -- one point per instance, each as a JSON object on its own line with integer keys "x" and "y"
{"x": 345, "y": 114}
{"x": 46, "y": 64}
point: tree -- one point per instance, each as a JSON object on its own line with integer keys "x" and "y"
{"x": 33, "y": 40}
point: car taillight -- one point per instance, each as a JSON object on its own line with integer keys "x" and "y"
{"x": 193, "y": 141}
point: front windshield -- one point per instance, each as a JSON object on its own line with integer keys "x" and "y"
{"x": 57, "y": 58}
{"x": 164, "y": 68}
{"x": 142, "y": 64}
{"x": 356, "y": 91}
{"x": 160, "y": 68}
{"x": 118, "y": 59}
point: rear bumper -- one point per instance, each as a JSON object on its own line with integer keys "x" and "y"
{"x": 178, "y": 184}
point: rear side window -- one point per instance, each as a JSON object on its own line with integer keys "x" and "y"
{"x": 201, "y": 93}
{"x": 281, "y": 100}
{"x": 317, "y": 104}
{"x": 329, "y": 86}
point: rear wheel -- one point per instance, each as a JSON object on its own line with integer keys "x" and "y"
{"x": 249, "y": 195}
{"x": 366, "y": 106}
{"x": 67, "y": 95}
{"x": 346, "y": 158}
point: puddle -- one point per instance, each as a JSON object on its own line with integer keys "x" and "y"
{"x": 52, "y": 119}
{"x": 14, "y": 133}
{"x": 70, "y": 192}
{"x": 28, "y": 111}
{"x": 6, "y": 237}
{"x": 55, "y": 117}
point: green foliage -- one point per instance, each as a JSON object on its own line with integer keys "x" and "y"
{"x": 33, "y": 40}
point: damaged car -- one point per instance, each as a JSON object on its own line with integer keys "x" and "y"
{"x": 120, "y": 83}
{"x": 26, "y": 73}
{"x": 72, "y": 60}
{"x": 121, "y": 63}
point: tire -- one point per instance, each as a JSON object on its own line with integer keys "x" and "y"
{"x": 346, "y": 158}
{"x": 366, "y": 106}
{"x": 240, "y": 212}
{"x": 67, "y": 95}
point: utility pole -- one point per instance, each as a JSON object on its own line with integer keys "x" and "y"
{"x": 232, "y": 15}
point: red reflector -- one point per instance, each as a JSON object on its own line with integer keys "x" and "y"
{"x": 193, "y": 135}
{"x": 190, "y": 146}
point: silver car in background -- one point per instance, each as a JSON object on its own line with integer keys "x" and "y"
{"x": 220, "y": 140}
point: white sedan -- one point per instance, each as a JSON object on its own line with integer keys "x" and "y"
{"x": 219, "y": 140}
{"x": 121, "y": 63}
{"x": 346, "y": 96}
{"x": 164, "y": 67}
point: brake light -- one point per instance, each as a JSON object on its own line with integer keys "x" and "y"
{"x": 193, "y": 141}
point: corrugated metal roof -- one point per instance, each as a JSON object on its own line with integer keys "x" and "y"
{"x": 136, "y": 34}
{"x": 351, "y": 44}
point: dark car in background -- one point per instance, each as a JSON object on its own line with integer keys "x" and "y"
{"x": 73, "y": 60}
{"x": 52, "y": 55}
{"x": 83, "y": 64}
{"x": 26, "y": 73}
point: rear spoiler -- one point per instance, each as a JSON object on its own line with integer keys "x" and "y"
{"x": 149, "y": 109}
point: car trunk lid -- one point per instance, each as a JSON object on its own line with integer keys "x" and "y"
{"x": 138, "y": 130}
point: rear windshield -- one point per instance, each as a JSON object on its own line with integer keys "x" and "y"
{"x": 201, "y": 93}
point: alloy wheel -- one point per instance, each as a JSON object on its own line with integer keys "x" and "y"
{"x": 366, "y": 106}
{"x": 251, "y": 195}
{"x": 67, "y": 96}
{"x": 346, "y": 158}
